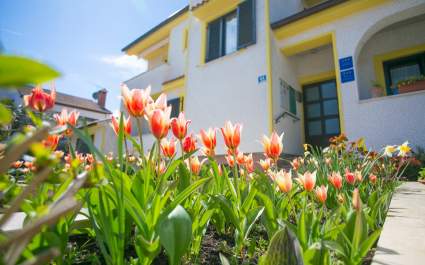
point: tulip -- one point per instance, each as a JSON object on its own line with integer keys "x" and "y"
{"x": 295, "y": 164}
{"x": 115, "y": 124}
{"x": 284, "y": 181}
{"x": 209, "y": 139}
{"x": 189, "y": 144}
{"x": 328, "y": 161}
{"x": 232, "y": 135}
{"x": 357, "y": 202}
{"x": 52, "y": 141}
{"x": 350, "y": 177}
{"x": 249, "y": 163}
{"x": 358, "y": 175}
{"x": 336, "y": 180}
{"x": 404, "y": 149}
{"x": 59, "y": 154}
{"x": 307, "y": 180}
{"x": 265, "y": 164}
{"x": 208, "y": 152}
{"x": 179, "y": 126}
{"x": 168, "y": 147}
{"x": 373, "y": 178}
{"x": 240, "y": 158}
{"x": 160, "y": 122}
{"x": 39, "y": 100}
{"x": 17, "y": 164}
{"x": 195, "y": 165}
{"x": 64, "y": 119}
{"x": 230, "y": 160}
{"x": 89, "y": 158}
{"x": 273, "y": 146}
{"x": 161, "y": 168}
{"x": 321, "y": 193}
{"x": 136, "y": 101}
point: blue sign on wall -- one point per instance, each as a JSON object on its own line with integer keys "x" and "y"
{"x": 262, "y": 78}
{"x": 347, "y": 76}
{"x": 346, "y": 63}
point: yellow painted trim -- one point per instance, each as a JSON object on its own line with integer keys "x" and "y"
{"x": 163, "y": 50}
{"x": 156, "y": 36}
{"x": 326, "y": 16}
{"x": 213, "y": 9}
{"x": 379, "y": 60}
{"x": 309, "y": 44}
{"x": 338, "y": 83}
{"x": 203, "y": 43}
{"x": 173, "y": 85}
{"x": 311, "y": 79}
{"x": 184, "y": 39}
{"x": 269, "y": 65}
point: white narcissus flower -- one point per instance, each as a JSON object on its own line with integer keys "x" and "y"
{"x": 389, "y": 150}
{"x": 404, "y": 149}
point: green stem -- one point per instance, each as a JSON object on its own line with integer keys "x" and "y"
{"x": 139, "y": 127}
{"x": 159, "y": 156}
{"x": 235, "y": 175}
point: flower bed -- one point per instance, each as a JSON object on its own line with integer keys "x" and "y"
{"x": 167, "y": 206}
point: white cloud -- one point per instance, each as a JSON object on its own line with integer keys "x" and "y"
{"x": 126, "y": 63}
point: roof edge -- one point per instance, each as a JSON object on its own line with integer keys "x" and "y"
{"x": 157, "y": 27}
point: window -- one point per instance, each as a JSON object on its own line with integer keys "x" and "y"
{"x": 82, "y": 147}
{"x": 403, "y": 68}
{"x": 231, "y": 32}
{"x": 175, "y": 106}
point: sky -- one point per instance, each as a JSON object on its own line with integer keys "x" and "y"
{"x": 82, "y": 39}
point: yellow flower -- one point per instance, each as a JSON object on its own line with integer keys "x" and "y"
{"x": 404, "y": 149}
{"x": 305, "y": 147}
{"x": 389, "y": 150}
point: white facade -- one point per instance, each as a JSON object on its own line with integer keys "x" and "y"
{"x": 228, "y": 88}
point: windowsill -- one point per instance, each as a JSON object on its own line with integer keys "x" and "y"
{"x": 230, "y": 55}
{"x": 361, "y": 101}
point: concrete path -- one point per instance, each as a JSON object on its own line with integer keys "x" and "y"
{"x": 402, "y": 240}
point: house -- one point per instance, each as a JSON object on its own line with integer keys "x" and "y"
{"x": 94, "y": 117}
{"x": 303, "y": 67}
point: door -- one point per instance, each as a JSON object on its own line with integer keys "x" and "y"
{"x": 321, "y": 115}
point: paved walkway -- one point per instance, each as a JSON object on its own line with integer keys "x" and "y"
{"x": 402, "y": 240}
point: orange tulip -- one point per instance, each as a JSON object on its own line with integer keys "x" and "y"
{"x": 357, "y": 202}
{"x": 350, "y": 177}
{"x": 232, "y": 135}
{"x": 64, "y": 119}
{"x": 115, "y": 124}
{"x": 17, "y": 164}
{"x": 160, "y": 122}
{"x": 230, "y": 160}
{"x": 373, "y": 178}
{"x": 307, "y": 180}
{"x": 194, "y": 164}
{"x": 284, "y": 181}
{"x": 273, "y": 146}
{"x": 89, "y": 158}
{"x": 168, "y": 147}
{"x": 209, "y": 139}
{"x": 240, "y": 158}
{"x": 336, "y": 180}
{"x": 179, "y": 126}
{"x": 321, "y": 193}
{"x": 136, "y": 101}
{"x": 265, "y": 164}
{"x": 249, "y": 163}
{"x": 295, "y": 164}
{"x": 162, "y": 168}
{"x": 189, "y": 144}
{"x": 52, "y": 141}
{"x": 40, "y": 100}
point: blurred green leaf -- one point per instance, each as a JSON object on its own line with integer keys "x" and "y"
{"x": 5, "y": 115}
{"x": 18, "y": 71}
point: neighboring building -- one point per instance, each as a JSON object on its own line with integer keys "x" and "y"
{"x": 93, "y": 115}
{"x": 300, "y": 67}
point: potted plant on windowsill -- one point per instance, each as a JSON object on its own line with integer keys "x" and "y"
{"x": 412, "y": 84}
{"x": 376, "y": 90}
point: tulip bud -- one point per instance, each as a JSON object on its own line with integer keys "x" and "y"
{"x": 321, "y": 193}
{"x": 357, "y": 202}
{"x": 307, "y": 180}
{"x": 350, "y": 177}
{"x": 273, "y": 146}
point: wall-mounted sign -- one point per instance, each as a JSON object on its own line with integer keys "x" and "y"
{"x": 262, "y": 78}
{"x": 346, "y": 63}
{"x": 347, "y": 76}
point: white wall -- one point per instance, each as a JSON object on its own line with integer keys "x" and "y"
{"x": 388, "y": 40}
{"x": 227, "y": 88}
{"x": 320, "y": 60}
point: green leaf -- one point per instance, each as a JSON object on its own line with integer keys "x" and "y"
{"x": 175, "y": 234}
{"x": 19, "y": 71}
{"x": 5, "y": 115}
{"x": 368, "y": 243}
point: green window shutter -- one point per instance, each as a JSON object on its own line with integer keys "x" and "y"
{"x": 175, "y": 107}
{"x": 213, "y": 40}
{"x": 292, "y": 101}
{"x": 246, "y": 24}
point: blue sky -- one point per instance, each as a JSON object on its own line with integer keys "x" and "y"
{"x": 82, "y": 38}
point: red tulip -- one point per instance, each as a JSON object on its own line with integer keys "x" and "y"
{"x": 230, "y": 160}
{"x": 115, "y": 124}
{"x": 168, "y": 147}
{"x": 321, "y": 193}
{"x": 179, "y": 126}
{"x": 136, "y": 101}
{"x": 265, "y": 164}
{"x": 295, "y": 164}
{"x": 52, "y": 141}
{"x": 232, "y": 135}
{"x": 350, "y": 177}
{"x": 189, "y": 143}
{"x": 373, "y": 178}
{"x": 273, "y": 146}
{"x": 209, "y": 140}
{"x": 160, "y": 122}
{"x": 336, "y": 180}
{"x": 249, "y": 163}
{"x": 284, "y": 181}
{"x": 307, "y": 180}
{"x": 40, "y": 100}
